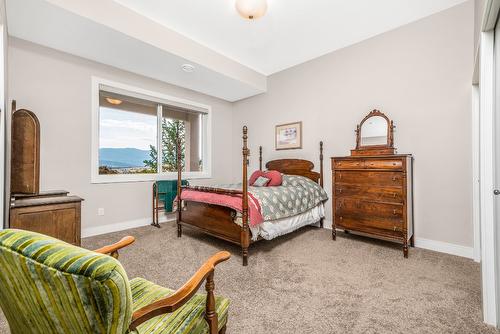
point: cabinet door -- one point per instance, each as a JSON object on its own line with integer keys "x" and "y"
{"x": 38, "y": 221}
{"x": 64, "y": 222}
{"x": 61, "y": 221}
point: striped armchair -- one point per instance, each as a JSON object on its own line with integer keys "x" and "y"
{"x": 49, "y": 286}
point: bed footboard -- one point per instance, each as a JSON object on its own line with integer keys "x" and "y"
{"x": 215, "y": 220}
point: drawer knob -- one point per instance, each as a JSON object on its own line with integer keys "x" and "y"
{"x": 394, "y": 195}
{"x": 394, "y": 178}
{"x": 340, "y": 190}
{"x": 341, "y": 218}
{"x": 394, "y": 211}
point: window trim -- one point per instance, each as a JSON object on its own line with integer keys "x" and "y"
{"x": 167, "y": 99}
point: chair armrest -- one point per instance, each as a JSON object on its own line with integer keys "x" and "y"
{"x": 181, "y": 296}
{"x": 113, "y": 249}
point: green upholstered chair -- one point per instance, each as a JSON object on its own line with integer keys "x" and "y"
{"x": 164, "y": 193}
{"x": 49, "y": 286}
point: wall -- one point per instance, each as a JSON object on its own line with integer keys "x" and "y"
{"x": 4, "y": 151}
{"x": 57, "y": 87}
{"x": 478, "y": 18}
{"x": 420, "y": 76}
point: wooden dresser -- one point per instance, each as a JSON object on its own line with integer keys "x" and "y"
{"x": 373, "y": 196}
{"x": 372, "y": 190}
{"x": 52, "y": 213}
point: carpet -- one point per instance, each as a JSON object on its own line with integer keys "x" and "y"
{"x": 306, "y": 283}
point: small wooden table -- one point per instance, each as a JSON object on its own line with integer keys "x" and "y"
{"x": 53, "y": 213}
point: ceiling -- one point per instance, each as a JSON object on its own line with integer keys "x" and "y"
{"x": 108, "y": 33}
{"x": 232, "y": 56}
{"x": 292, "y": 32}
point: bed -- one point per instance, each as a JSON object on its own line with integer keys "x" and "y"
{"x": 241, "y": 214}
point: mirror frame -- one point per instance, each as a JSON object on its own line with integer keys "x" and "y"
{"x": 390, "y": 133}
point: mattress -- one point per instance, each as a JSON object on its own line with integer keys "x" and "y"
{"x": 274, "y": 228}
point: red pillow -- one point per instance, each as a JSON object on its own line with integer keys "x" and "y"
{"x": 274, "y": 177}
{"x": 255, "y": 176}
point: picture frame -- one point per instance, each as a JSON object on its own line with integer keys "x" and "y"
{"x": 288, "y": 136}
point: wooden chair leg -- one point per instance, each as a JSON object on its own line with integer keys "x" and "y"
{"x": 153, "y": 204}
{"x": 223, "y": 330}
{"x": 155, "y": 208}
{"x": 157, "y": 218}
{"x": 321, "y": 222}
{"x": 179, "y": 230}
{"x": 210, "y": 314}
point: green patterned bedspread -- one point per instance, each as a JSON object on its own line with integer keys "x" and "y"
{"x": 296, "y": 195}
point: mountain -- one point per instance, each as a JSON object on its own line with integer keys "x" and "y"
{"x": 122, "y": 157}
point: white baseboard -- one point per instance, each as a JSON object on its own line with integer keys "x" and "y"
{"x": 434, "y": 245}
{"x": 445, "y": 247}
{"x": 121, "y": 226}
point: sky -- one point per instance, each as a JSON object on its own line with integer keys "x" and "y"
{"x": 123, "y": 129}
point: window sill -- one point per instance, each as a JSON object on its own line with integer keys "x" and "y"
{"x": 129, "y": 178}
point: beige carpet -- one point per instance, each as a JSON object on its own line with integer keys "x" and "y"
{"x": 307, "y": 283}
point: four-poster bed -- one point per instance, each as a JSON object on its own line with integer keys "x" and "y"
{"x": 231, "y": 222}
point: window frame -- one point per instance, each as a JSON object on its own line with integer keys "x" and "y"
{"x": 125, "y": 89}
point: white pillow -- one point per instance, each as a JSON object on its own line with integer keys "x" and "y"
{"x": 261, "y": 181}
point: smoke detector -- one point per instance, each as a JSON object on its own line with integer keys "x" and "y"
{"x": 188, "y": 68}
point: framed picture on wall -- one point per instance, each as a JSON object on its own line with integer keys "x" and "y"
{"x": 289, "y": 136}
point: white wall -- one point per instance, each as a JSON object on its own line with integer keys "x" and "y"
{"x": 420, "y": 76}
{"x": 5, "y": 109}
{"x": 478, "y": 16}
{"x": 57, "y": 87}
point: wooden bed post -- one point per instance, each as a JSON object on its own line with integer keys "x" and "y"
{"x": 245, "y": 233}
{"x": 321, "y": 164}
{"x": 179, "y": 187}
{"x": 321, "y": 175}
{"x": 260, "y": 157}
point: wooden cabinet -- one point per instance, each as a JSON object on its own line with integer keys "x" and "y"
{"x": 373, "y": 196}
{"x": 51, "y": 213}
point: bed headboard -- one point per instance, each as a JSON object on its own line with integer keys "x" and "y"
{"x": 297, "y": 166}
{"x": 294, "y": 167}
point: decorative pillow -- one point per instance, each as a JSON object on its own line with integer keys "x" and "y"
{"x": 274, "y": 177}
{"x": 261, "y": 181}
{"x": 255, "y": 176}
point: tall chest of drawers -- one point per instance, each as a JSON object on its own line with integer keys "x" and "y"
{"x": 373, "y": 196}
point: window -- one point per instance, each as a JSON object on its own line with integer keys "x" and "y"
{"x": 135, "y": 135}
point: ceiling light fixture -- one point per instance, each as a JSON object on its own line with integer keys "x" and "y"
{"x": 187, "y": 68}
{"x": 251, "y": 9}
{"x": 115, "y": 102}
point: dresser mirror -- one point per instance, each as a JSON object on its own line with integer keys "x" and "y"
{"x": 374, "y": 131}
{"x": 374, "y": 135}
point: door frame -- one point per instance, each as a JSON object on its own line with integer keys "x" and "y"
{"x": 476, "y": 210}
{"x": 486, "y": 176}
